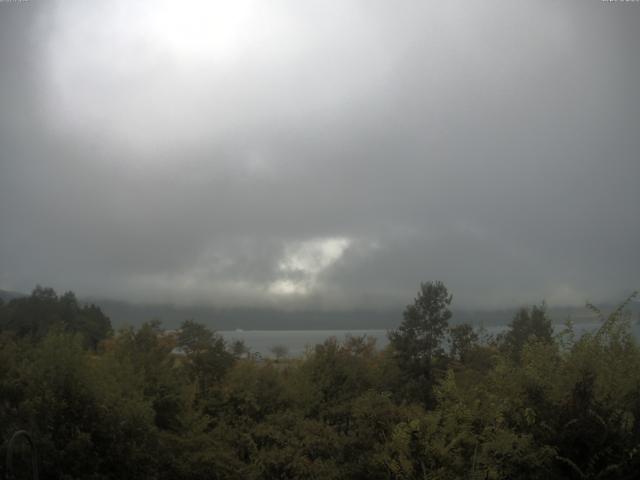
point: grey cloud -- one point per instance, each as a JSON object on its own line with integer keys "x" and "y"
{"x": 492, "y": 146}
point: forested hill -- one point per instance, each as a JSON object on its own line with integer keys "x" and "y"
{"x": 124, "y": 313}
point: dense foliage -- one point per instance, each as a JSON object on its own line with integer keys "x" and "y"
{"x": 441, "y": 402}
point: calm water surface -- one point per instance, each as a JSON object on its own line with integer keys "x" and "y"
{"x": 297, "y": 341}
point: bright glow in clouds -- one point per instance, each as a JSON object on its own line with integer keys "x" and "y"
{"x": 168, "y": 69}
{"x": 296, "y": 276}
{"x": 160, "y": 75}
{"x": 213, "y": 31}
{"x": 304, "y": 262}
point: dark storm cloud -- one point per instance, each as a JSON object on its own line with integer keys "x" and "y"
{"x": 313, "y": 154}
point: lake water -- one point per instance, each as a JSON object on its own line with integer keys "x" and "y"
{"x": 297, "y": 341}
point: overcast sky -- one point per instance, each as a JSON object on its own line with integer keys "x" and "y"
{"x": 321, "y": 153}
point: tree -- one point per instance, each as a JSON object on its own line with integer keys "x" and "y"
{"x": 148, "y": 351}
{"x": 463, "y": 339}
{"x": 417, "y": 342}
{"x": 194, "y": 337}
{"x": 207, "y": 357}
{"x": 240, "y": 349}
{"x": 279, "y": 351}
{"x": 33, "y": 317}
{"x": 526, "y": 325}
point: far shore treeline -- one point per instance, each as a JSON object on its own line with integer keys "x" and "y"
{"x": 441, "y": 401}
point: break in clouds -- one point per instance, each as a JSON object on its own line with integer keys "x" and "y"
{"x": 321, "y": 154}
